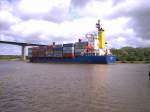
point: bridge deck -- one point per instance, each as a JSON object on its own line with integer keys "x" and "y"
{"x": 21, "y": 43}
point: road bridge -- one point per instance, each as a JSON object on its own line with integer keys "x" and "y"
{"x": 23, "y": 45}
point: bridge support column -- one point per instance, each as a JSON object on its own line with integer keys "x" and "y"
{"x": 23, "y": 53}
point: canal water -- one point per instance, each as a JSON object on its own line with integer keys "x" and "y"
{"x": 34, "y": 87}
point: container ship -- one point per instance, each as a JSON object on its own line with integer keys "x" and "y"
{"x": 93, "y": 51}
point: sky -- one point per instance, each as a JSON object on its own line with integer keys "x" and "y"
{"x": 126, "y": 22}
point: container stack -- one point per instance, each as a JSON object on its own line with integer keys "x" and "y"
{"x": 29, "y": 52}
{"x": 42, "y": 51}
{"x": 39, "y": 51}
{"x": 35, "y": 51}
{"x": 68, "y": 50}
{"x": 80, "y": 48}
{"x": 58, "y": 50}
{"x": 49, "y": 51}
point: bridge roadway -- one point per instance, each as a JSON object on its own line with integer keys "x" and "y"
{"x": 23, "y": 45}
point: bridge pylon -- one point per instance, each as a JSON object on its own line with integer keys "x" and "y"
{"x": 23, "y": 53}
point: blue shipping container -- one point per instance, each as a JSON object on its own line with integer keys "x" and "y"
{"x": 68, "y": 45}
{"x": 58, "y": 49}
{"x": 81, "y": 43}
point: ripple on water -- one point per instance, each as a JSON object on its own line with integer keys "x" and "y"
{"x": 28, "y": 87}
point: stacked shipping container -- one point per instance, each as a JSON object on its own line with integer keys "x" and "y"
{"x": 68, "y": 50}
{"x": 35, "y": 51}
{"x": 39, "y": 51}
{"x": 58, "y": 50}
{"x": 29, "y": 52}
{"x": 42, "y": 51}
{"x": 80, "y": 48}
{"x": 49, "y": 51}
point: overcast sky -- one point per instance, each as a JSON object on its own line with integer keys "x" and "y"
{"x": 126, "y": 22}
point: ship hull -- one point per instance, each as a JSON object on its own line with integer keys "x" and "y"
{"x": 81, "y": 59}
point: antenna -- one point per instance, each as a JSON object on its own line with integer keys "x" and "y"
{"x": 98, "y": 25}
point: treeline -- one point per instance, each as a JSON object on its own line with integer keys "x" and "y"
{"x": 132, "y": 54}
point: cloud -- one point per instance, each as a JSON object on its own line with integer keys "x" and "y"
{"x": 44, "y": 21}
{"x": 42, "y": 29}
{"x": 138, "y": 11}
{"x": 79, "y": 3}
{"x": 52, "y": 10}
{"x": 7, "y": 19}
{"x": 6, "y": 16}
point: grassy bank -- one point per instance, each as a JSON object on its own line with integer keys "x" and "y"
{"x": 10, "y": 57}
{"x": 134, "y": 62}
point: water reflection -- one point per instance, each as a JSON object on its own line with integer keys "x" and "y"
{"x": 28, "y": 87}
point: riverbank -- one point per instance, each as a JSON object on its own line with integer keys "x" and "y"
{"x": 9, "y": 57}
{"x": 134, "y": 62}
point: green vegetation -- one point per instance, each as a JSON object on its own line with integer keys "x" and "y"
{"x": 132, "y": 55}
{"x": 10, "y": 57}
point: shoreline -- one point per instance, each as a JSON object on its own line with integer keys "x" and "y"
{"x": 133, "y": 62}
{"x": 17, "y": 59}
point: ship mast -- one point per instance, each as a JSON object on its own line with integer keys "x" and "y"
{"x": 98, "y": 26}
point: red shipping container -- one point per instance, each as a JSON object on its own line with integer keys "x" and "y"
{"x": 68, "y": 55}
